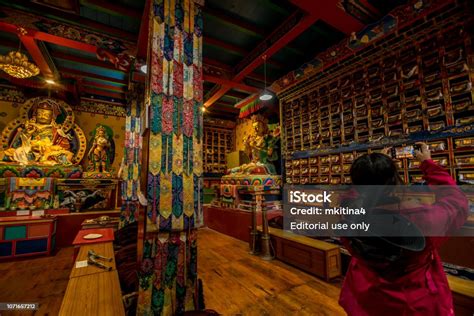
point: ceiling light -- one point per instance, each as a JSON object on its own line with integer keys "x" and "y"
{"x": 265, "y": 96}
{"x": 143, "y": 69}
{"x": 50, "y": 81}
{"x": 16, "y": 64}
{"x": 203, "y": 109}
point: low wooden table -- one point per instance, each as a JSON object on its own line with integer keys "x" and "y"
{"x": 314, "y": 256}
{"x": 107, "y": 235}
{"x": 105, "y": 249}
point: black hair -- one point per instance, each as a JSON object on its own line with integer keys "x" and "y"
{"x": 375, "y": 169}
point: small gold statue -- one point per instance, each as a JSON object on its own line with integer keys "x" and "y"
{"x": 100, "y": 154}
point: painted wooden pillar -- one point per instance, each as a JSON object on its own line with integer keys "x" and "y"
{"x": 168, "y": 272}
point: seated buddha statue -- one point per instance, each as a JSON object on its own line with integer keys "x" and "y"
{"x": 261, "y": 147}
{"x": 40, "y": 140}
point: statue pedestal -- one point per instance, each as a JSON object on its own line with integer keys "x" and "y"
{"x": 8, "y": 170}
{"x": 254, "y": 193}
{"x": 230, "y": 183}
{"x": 97, "y": 175}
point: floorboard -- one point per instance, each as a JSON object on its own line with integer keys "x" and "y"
{"x": 237, "y": 283}
{"x": 40, "y": 280}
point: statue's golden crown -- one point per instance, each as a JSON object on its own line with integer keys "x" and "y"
{"x": 257, "y": 118}
{"x": 44, "y": 106}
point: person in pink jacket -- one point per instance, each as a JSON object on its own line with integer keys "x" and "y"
{"x": 416, "y": 284}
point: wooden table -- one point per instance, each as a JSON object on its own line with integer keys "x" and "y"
{"x": 105, "y": 249}
{"x": 93, "y": 294}
{"x": 107, "y": 236}
{"x": 92, "y": 290}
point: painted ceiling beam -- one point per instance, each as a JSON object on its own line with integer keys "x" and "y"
{"x": 231, "y": 48}
{"x": 236, "y": 94}
{"x": 30, "y": 44}
{"x": 102, "y": 86}
{"x": 228, "y": 70}
{"x": 91, "y": 75}
{"x": 246, "y": 101}
{"x": 295, "y": 24}
{"x": 112, "y": 8}
{"x": 331, "y": 13}
{"x": 226, "y": 109}
{"x": 224, "y": 45}
{"x": 61, "y": 41}
{"x": 110, "y": 94}
{"x": 82, "y": 60}
{"x": 230, "y": 83}
{"x": 142, "y": 42}
{"x": 291, "y": 28}
{"x": 8, "y": 27}
{"x": 211, "y": 91}
{"x": 70, "y": 18}
{"x": 241, "y": 25}
{"x": 370, "y": 7}
{"x": 234, "y": 21}
{"x": 217, "y": 95}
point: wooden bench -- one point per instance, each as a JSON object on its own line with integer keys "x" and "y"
{"x": 314, "y": 256}
{"x": 92, "y": 290}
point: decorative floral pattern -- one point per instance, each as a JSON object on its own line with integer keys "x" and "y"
{"x": 11, "y": 95}
{"x": 98, "y": 107}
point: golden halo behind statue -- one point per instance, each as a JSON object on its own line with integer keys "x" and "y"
{"x": 63, "y": 117}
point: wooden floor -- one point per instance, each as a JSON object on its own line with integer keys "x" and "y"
{"x": 237, "y": 283}
{"x": 40, "y": 280}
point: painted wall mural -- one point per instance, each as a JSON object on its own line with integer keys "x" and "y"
{"x": 168, "y": 275}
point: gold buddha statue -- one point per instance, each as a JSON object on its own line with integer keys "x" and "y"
{"x": 261, "y": 147}
{"x": 40, "y": 140}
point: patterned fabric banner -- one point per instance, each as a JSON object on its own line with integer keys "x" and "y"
{"x": 130, "y": 167}
{"x": 168, "y": 277}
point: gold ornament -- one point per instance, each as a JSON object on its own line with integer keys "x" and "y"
{"x": 16, "y": 64}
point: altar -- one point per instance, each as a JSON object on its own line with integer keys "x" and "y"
{"x": 48, "y": 168}
{"x": 253, "y": 188}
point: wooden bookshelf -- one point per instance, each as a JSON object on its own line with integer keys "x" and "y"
{"x": 218, "y": 142}
{"x": 415, "y": 85}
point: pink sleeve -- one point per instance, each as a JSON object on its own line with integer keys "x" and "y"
{"x": 434, "y": 174}
{"x": 451, "y": 207}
